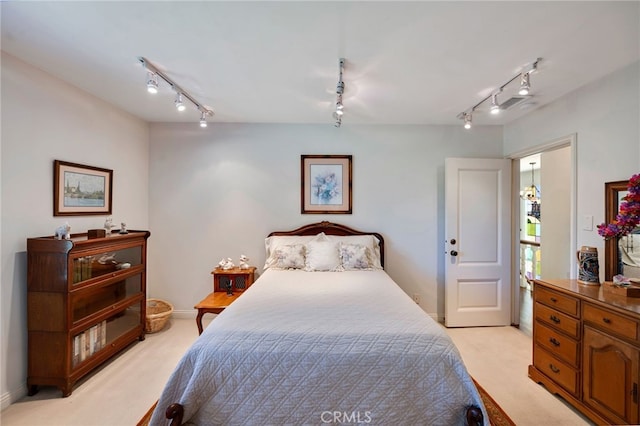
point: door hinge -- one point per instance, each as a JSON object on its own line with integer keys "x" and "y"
{"x": 634, "y": 393}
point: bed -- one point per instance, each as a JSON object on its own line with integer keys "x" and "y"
{"x": 317, "y": 340}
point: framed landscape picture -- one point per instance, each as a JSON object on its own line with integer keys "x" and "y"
{"x": 326, "y": 184}
{"x": 80, "y": 190}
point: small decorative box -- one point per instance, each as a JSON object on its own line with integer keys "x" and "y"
{"x": 632, "y": 290}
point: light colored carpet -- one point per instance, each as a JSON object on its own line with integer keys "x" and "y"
{"x": 498, "y": 358}
{"x": 125, "y": 388}
{"x": 119, "y": 393}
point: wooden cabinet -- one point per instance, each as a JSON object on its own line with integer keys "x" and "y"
{"x": 86, "y": 301}
{"x": 556, "y": 337}
{"x": 587, "y": 349}
{"x": 235, "y": 279}
{"x": 611, "y": 376}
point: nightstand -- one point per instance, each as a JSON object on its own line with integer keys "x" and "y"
{"x": 236, "y": 279}
{"x": 240, "y": 279}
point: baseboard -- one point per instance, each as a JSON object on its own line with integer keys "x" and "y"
{"x": 185, "y": 314}
{"x": 10, "y": 397}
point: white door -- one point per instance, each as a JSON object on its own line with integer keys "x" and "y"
{"x": 478, "y": 242}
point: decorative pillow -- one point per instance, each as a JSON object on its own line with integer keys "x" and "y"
{"x": 355, "y": 257}
{"x": 322, "y": 256}
{"x": 368, "y": 240}
{"x": 289, "y": 257}
{"x": 271, "y": 244}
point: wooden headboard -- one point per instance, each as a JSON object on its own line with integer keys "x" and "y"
{"x": 330, "y": 228}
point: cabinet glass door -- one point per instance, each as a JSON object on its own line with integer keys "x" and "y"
{"x": 91, "y": 301}
{"x": 101, "y": 335}
{"x": 87, "y": 267}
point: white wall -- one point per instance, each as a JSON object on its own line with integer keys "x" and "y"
{"x": 606, "y": 117}
{"x": 555, "y": 216}
{"x": 45, "y": 119}
{"x": 218, "y": 192}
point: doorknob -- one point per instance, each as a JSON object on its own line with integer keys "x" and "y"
{"x": 453, "y": 241}
{"x": 453, "y": 253}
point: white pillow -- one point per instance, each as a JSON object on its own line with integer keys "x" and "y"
{"x": 322, "y": 256}
{"x": 274, "y": 242}
{"x": 367, "y": 240}
{"x": 355, "y": 257}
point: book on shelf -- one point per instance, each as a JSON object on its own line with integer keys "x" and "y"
{"x": 82, "y": 268}
{"x": 89, "y": 341}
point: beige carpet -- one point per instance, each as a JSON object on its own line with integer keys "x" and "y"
{"x": 496, "y": 357}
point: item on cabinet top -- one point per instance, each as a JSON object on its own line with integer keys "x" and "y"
{"x": 63, "y": 232}
{"x": 96, "y": 233}
{"x": 123, "y": 228}
{"x": 108, "y": 224}
{"x": 244, "y": 262}
{"x": 621, "y": 280}
{"x": 628, "y": 215}
{"x": 589, "y": 271}
{"x": 626, "y": 290}
{"x": 226, "y": 264}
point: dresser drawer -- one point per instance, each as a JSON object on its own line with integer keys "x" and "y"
{"x": 561, "y": 302}
{"x": 557, "y": 343}
{"x": 558, "y": 371}
{"x": 610, "y": 321}
{"x": 557, "y": 320}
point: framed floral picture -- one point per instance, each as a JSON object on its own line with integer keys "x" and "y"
{"x": 326, "y": 184}
{"x": 80, "y": 190}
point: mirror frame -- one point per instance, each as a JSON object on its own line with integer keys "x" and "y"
{"x": 611, "y": 255}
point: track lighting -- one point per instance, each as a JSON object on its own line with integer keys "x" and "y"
{"x": 524, "y": 84}
{"x": 339, "y": 106}
{"x": 339, "y": 91}
{"x": 524, "y": 89}
{"x": 467, "y": 120}
{"x": 495, "y": 107}
{"x": 152, "y": 86}
{"x": 152, "y": 82}
{"x": 180, "y": 106}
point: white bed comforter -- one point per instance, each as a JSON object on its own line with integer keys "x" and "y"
{"x": 304, "y": 348}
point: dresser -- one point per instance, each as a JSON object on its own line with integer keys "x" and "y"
{"x": 586, "y": 348}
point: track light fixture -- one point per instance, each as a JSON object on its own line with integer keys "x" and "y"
{"x": 495, "y": 107}
{"x": 152, "y": 82}
{"x": 467, "y": 120}
{"x": 339, "y": 91}
{"x": 152, "y": 86}
{"x": 180, "y": 106}
{"x": 524, "y": 84}
{"x": 525, "y": 88}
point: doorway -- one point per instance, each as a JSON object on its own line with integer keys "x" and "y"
{"x": 544, "y": 233}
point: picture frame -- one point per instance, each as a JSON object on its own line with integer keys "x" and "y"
{"x": 81, "y": 190}
{"x": 326, "y": 184}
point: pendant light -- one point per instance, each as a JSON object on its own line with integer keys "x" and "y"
{"x": 531, "y": 193}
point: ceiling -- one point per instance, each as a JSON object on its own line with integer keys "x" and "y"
{"x": 277, "y": 62}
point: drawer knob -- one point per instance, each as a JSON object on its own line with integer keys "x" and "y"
{"x": 554, "y": 319}
{"x": 554, "y": 368}
{"x": 554, "y": 300}
{"x": 606, "y": 320}
{"x": 554, "y": 342}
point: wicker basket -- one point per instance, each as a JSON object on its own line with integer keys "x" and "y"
{"x": 158, "y": 312}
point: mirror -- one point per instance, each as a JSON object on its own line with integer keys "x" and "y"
{"x": 620, "y": 257}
